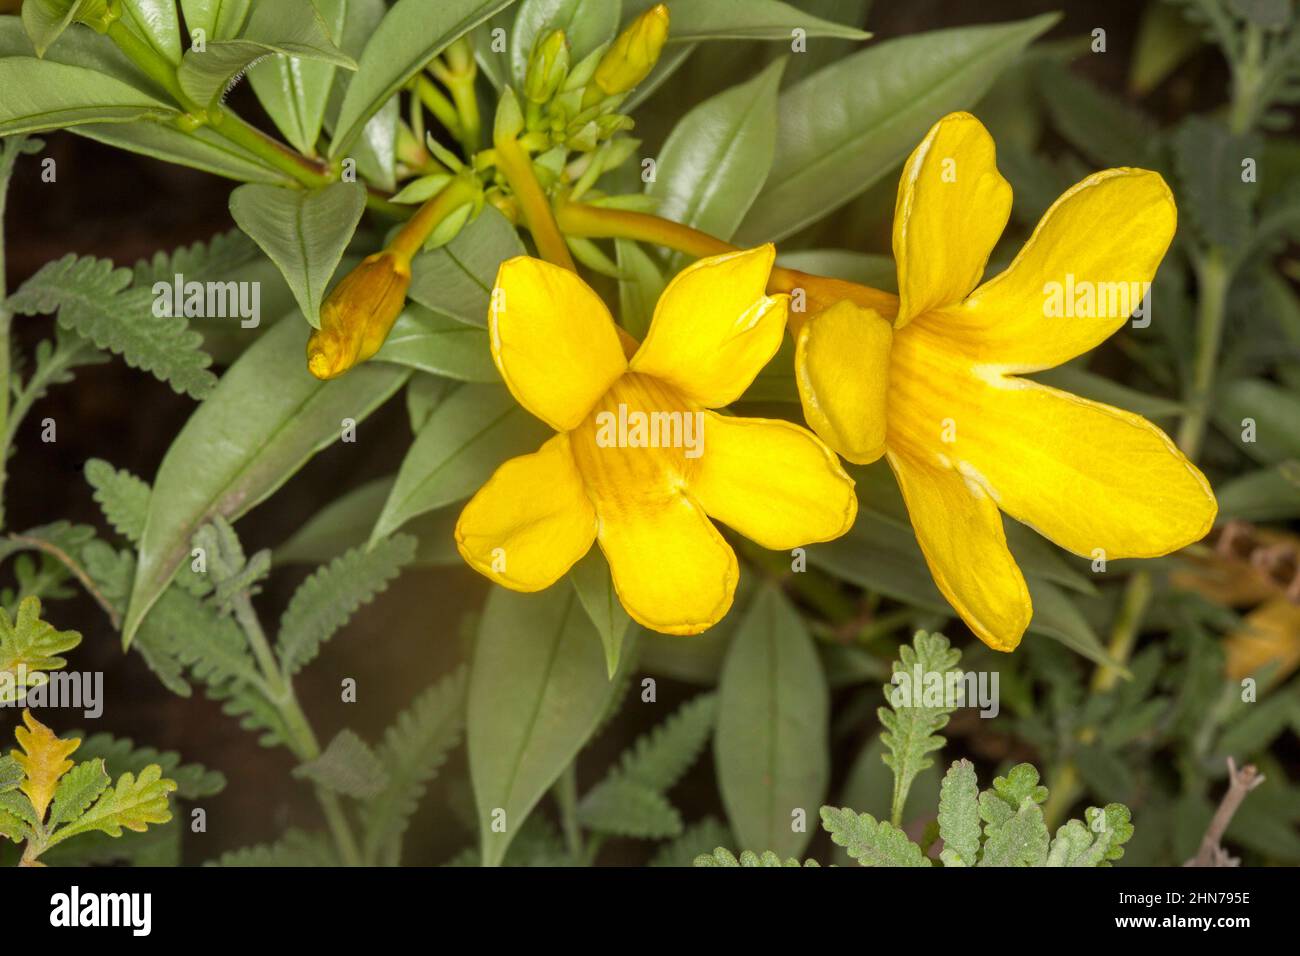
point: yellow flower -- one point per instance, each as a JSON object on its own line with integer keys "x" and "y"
{"x": 937, "y": 387}
{"x": 640, "y": 463}
{"x": 357, "y": 316}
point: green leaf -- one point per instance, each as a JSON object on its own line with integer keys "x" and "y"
{"x": 959, "y": 815}
{"x": 122, "y": 497}
{"x": 683, "y": 850}
{"x": 1269, "y": 495}
{"x": 466, "y": 437}
{"x": 622, "y": 807}
{"x": 327, "y": 600}
{"x": 291, "y": 28}
{"x": 45, "y": 20}
{"x": 1018, "y": 839}
{"x": 375, "y": 148}
{"x": 715, "y": 161}
{"x": 1218, "y": 203}
{"x": 218, "y": 19}
{"x": 407, "y": 38}
{"x": 304, "y": 233}
{"x": 1102, "y": 127}
{"x": 1275, "y": 412}
{"x": 93, "y": 300}
{"x": 264, "y": 420}
{"x": 11, "y": 774}
{"x": 1094, "y": 843}
{"x": 871, "y": 842}
{"x": 29, "y": 647}
{"x": 193, "y": 781}
{"x": 456, "y": 280}
{"x": 848, "y": 125}
{"x": 78, "y": 789}
{"x": 587, "y": 25}
{"x": 424, "y": 340}
{"x": 414, "y": 747}
{"x": 538, "y": 689}
{"x": 629, "y": 801}
{"x": 595, "y": 587}
{"x": 133, "y": 804}
{"x": 913, "y": 719}
{"x": 694, "y": 20}
{"x": 343, "y": 523}
{"x": 347, "y": 766}
{"x": 639, "y": 288}
{"x": 1165, "y": 40}
{"x": 44, "y": 95}
{"x": 294, "y": 849}
{"x": 294, "y": 91}
{"x": 722, "y": 857}
{"x": 157, "y": 23}
{"x": 771, "y": 747}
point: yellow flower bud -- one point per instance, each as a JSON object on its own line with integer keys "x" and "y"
{"x": 357, "y": 316}
{"x": 634, "y": 53}
{"x": 547, "y": 67}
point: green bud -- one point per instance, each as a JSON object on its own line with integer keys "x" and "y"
{"x": 509, "y": 120}
{"x": 634, "y": 52}
{"x": 547, "y": 67}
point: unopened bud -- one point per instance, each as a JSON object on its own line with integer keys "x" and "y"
{"x": 634, "y": 52}
{"x": 547, "y": 67}
{"x": 357, "y": 316}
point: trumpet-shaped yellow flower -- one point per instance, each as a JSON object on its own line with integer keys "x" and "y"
{"x": 937, "y": 388}
{"x": 640, "y": 462}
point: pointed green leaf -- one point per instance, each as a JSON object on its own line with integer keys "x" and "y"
{"x": 959, "y": 815}
{"x": 595, "y": 587}
{"x": 424, "y": 340}
{"x": 79, "y": 788}
{"x": 347, "y": 766}
{"x": 44, "y": 95}
{"x": 871, "y": 842}
{"x": 294, "y": 91}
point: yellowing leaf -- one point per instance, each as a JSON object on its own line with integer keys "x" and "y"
{"x": 29, "y": 646}
{"x": 133, "y": 804}
{"x": 44, "y": 759}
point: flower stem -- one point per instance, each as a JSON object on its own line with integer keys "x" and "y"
{"x": 461, "y": 191}
{"x": 303, "y": 741}
{"x": 1214, "y": 278}
{"x": 517, "y": 168}
{"x": 599, "y": 222}
{"x": 9, "y": 150}
{"x": 566, "y": 795}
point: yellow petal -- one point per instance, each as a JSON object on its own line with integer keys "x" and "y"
{"x": 531, "y": 522}
{"x": 44, "y": 760}
{"x": 714, "y": 327}
{"x": 671, "y": 568}
{"x": 772, "y": 481}
{"x": 553, "y": 340}
{"x": 952, "y": 206}
{"x": 960, "y": 533}
{"x": 1078, "y": 278}
{"x": 842, "y": 367}
{"x": 1085, "y": 475}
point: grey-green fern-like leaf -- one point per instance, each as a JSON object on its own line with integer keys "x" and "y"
{"x": 916, "y": 713}
{"x": 11, "y": 774}
{"x": 295, "y": 848}
{"x": 329, "y": 598}
{"x": 869, "y": 841}
{"x": 121, "y": 496}
{"x": 413, "y": 749}
{"x": 79, "y": 788}
{"x": 622, "y": 807}
{"x": 1094, "y": 843}
{"x": 120, "y": 755}
{"x": 98, "y": 301}
{"x": 135, "y": 802}
{"x": 1015, "y": 833}
{"x": 723, "y": 857}
{"x": 348, "y": 766}
{"x": 683, "y": 850}
{"x": 959, "y": 815}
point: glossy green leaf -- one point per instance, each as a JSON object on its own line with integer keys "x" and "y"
{"x": 199, "y": 149}
{"x": 537, "y": 690}
{"x": 1272, "y": 494}
{"x": 266, "y": 418}
{"x": 294, "y": 91}
{"x": 587, "y": 24}
{"x": 157, "y": 23}
{"x": 848, "y": 125}
{"x": 642, "y": 282}
{"x": 45, "y": 20}
{"x": 218, "y": 19}
{"x": 304, "y": 233}
{"x": 465, "y": 439}
{"x": 291, "y": 28}
{"x": 424, "y": 340}
{"x": 375, "y": 149}
{"x": 413, "y": 33}
{"x": 595, "y": 587}
{"x": 456, "y": 280}
{"x": 694, "y": 20}
{"x": 716, "y": 159}
{"x": 43, "y": 95}
{"x": 771, "y": 747}
{"x": 1260, "y": 418}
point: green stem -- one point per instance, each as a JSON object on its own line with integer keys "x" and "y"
{"x": 9, "y": 151}
{"x": 154, "y": 66}
{"x": 1214, "y": 278}
{"x": 566, "y": 795}
{"x": 517, "y": 168}
{"x": 1247, "y": 80}
{"x": 302, "y": 741}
